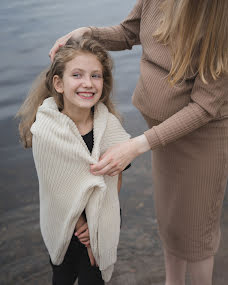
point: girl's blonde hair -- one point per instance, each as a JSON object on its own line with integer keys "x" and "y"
{"x": 43, "y": 87}
{"x": 197, "y": 33}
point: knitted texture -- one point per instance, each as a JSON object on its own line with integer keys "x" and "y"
{"x": 67, "y": 187}
{"x": 179, "y": 110}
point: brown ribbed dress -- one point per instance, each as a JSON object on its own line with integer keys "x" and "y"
{"x": 188, "y": 136}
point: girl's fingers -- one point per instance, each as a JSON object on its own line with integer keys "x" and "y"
{"x": 84, "y": 237}
{"x": 84, "y": 240}
{"x": 84, "y": 234}
{"x": 83, "y": 228}
{"x": 86, "y": 243}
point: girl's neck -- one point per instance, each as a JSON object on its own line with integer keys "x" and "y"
{"x": 83, "y": 119}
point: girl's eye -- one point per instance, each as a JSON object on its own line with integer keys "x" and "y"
{"x": 77, "y": 75}
{"x": 97, "y": 76}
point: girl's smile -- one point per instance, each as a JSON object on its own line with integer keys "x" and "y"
{"x": 85, "y": 95}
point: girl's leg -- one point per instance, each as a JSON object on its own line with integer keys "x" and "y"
{"x": 67, "y": 272}
{"x": 88, "y": 275}
{"x": 175, "y": 269}
{"x": 201, "y": 271}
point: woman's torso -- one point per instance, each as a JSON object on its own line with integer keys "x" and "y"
{"x": 154, "y": 96}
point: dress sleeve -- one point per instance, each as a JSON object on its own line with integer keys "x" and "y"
{"x": 122, "y": 36}
{"x": 205, "y": 106}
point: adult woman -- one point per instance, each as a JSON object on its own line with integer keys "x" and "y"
{"x": 182, "y": 94}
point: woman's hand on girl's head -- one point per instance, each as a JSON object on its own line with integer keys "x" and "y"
{"x": 117, "y": 157}
{"x": 75, "y": 34}
{"x": 60, "y": 42}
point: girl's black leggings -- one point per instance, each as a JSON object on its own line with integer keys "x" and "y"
{"x": 76, "y": 264}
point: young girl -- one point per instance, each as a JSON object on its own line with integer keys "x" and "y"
{"x": 70, "y": 121}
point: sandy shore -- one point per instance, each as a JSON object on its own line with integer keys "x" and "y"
{"x": 23, "y": 256}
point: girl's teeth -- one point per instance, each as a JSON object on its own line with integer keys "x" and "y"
{"x": 85, "y": 95}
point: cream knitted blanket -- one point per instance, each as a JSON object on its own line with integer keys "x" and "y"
{"x": 66, "y": 186}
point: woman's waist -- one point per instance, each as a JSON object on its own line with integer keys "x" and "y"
{"x": 153, "y": 96}
{"x": 160, "y": 104}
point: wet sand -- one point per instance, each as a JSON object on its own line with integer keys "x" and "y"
{"x": 23, "y": 257}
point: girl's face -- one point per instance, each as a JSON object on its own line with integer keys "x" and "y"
{"x": 82, "y": 82}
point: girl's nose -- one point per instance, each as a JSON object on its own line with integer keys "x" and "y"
{"x": 87, "y": 81}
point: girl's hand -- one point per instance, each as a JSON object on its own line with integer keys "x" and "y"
{"x": 117, "y": 157}
{"x": 91, "y": 257}
{"x": 76, "y": 34}
{"x": 83, "y": 234}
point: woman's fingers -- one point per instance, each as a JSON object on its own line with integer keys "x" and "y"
{"x": 103, "y": 170}
{"x": 114, "y": 173}
{"x": 117, "y": 157}
{"x": 107, "y": 164}
{"x": 103, "y": 163}
{"x": 75, "y": 34}
{"x": 54, "y": 50}
{"x": 60, "y": 42}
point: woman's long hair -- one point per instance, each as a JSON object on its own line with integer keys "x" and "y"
{"x": 195, "y": 29}
{"x": 43, "y": 87}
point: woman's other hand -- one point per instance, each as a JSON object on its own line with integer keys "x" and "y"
{"x": 117, "y": 157}
{"x": 75, "y": 34}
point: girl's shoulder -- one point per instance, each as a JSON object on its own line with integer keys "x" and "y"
{"x": 48, "y": 105}
{"x": 114, "y": 130}
{"x": 102, "y": 110}
{"x": 48, "y": 117}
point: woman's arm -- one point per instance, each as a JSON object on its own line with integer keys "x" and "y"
{"x": 118, "y": 37}
{"x": 122, "y": 36}
{"x": 205, "y": 105}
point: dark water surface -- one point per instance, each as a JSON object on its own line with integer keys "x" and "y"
{"x": 28, "y": 30}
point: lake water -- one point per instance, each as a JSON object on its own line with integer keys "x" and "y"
{"x": 29, "y": 28}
